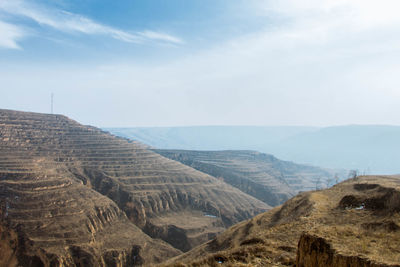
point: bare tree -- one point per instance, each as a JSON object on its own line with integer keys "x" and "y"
{"x": 330, "y": 182}
{"x": 317, "y": 183}
{"x": 353, "y": 174}
{"x": 336, "y": 178}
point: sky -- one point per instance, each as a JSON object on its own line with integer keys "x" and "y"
{"x": 203, "y": 62}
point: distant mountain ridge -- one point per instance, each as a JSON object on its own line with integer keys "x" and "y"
{"x": 210, "y": 137}
{"x": 367, "y": 148}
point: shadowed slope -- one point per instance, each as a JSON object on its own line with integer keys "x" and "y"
{"x": 261, "y": 175}
{"x": 151, "y": 190}
{"x": 355, "y": 223}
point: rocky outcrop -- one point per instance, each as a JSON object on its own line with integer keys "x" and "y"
{"x": 379, "y": 199}
{"x": 314, "y": 251}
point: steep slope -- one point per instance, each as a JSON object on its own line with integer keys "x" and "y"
{"x": 164, "y": 198}
{"x": 355, "y": 223}
{"x": 263, "y": 176}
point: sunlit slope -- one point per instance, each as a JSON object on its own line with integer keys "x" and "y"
{"x": 152, "y": 191}
{"x": 355, "y": 223}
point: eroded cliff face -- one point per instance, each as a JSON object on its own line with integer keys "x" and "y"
{"x": 314, "y": 251}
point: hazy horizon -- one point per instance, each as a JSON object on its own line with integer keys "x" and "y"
{"x": 244, "y": 125}
{"x": 203, "y": 62}
{"x": 371, "y": 149}
{"x": 210, "y": 125}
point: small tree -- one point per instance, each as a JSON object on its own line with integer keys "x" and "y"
{"x": 336, "y": 178}
{"x": 330, "y": 182}
{"x": 353, "y": 174}
{"x": 317, "y": 183}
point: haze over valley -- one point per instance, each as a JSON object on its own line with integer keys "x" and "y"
{"x": 370, "y": 149}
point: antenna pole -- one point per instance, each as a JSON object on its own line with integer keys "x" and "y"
{"x": 52, "y": 100}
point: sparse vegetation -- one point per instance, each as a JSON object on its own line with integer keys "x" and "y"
{"x": 369, "y": 234}
{"x": 67, "y": 190}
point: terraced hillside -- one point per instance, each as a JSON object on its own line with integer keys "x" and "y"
{"x": 67, "y": 191}
{"x": 261, "y": 175}
{"x": 49, "y": 217}
{"x": 355, "y": 223}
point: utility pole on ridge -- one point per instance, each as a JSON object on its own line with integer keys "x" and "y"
{"x": 52, "y": 98}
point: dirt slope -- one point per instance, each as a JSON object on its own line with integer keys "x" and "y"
{"x": 355, "y": 223}
{"x": 52, "y": 167}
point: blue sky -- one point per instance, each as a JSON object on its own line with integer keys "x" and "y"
{"x": 203, "y": 62}
{"x": 89, "y": 31}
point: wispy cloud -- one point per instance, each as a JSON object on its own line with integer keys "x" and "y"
{"x": 329, "y": 15}
{"x": 75, "y": 23}
{"x": 9, "y": 35}
{"x": 160, "y": 36}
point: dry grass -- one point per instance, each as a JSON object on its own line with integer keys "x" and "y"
{"x": 270, "y": 239}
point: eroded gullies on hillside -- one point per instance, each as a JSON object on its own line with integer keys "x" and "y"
{"x": 67, "y": 190}
{"x": 72, "y": 188}
{"x": 321, "y": 228}
{"x": 260, "y": 175}
{"x": 60, "y": 221}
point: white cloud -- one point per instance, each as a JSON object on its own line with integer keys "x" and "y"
{"x": 69, "y": 22}
{"x": 9, "y": 35}
{"x": 160, "y": 36}
{"x": 356, "y": 14}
